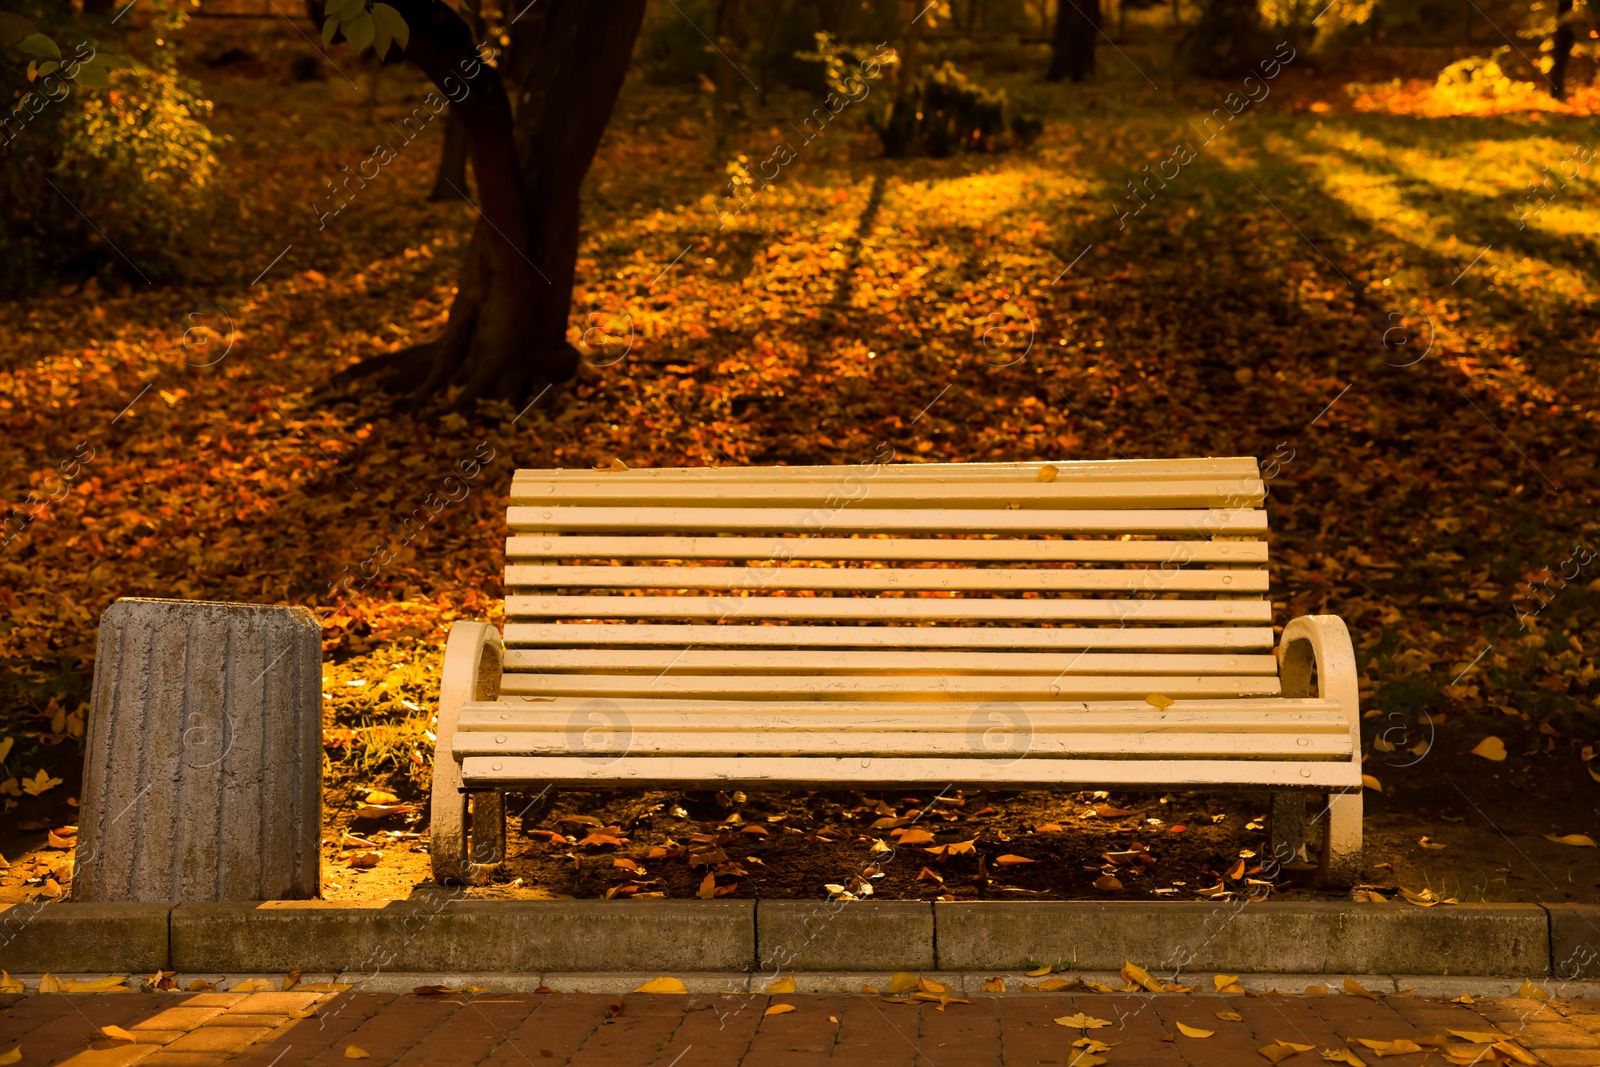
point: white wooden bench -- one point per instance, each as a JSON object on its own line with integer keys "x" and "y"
{"x": 990, "y": 625}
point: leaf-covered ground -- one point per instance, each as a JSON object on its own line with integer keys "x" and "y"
{"x": 1365, "y": 295}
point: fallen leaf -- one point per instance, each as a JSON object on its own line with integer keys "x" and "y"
{"x": 364, "y": 861}
{"x": 1057, "y": 985}
{"x": 1040, "y": 972}
{"x": 378, "y": 796}
{"x": 1465, "y": 998}
{"x": 1082, "y": 1021}
{"x": 384, "y": 811}
{"x": 1356, "y": 989}
{"x": 1316, "y": 991}
{"x": 1230, "y": 1016}
{"x": 353, "y": 1052}
{"x": 1106, "y": 811}
{"x": 1134, "y": 974}
{"x": 914, "y": 837}
{"x": 323, "y": 987}
{"x": 626, "y": 864}
{"x": 1156, "y": 700}
{"x": 1481, "y": 1037}
{"x": 1529, "y": 991}
{"x": 14, "y": 1056}
{"x": 603, "y": 841}
{"x": 1369, "y": 782}
{"x": 1513, "y": 1052}
{"x": 93, "y": 985}
{"x": 994, "y": 985}
{"x": 432, "y": 990}
{"x": 9, "y": 984}
{"x": 1085, "y": 1058}
{"x": 1426, "y": 843}
{"x": 1491, "y": 748}
{"x": 955, "y": 848}
{"x": 1193, "y": 1031}
{"x": 782, "y": 985}
{"x": 1398, "y": 1047}
{"x": 1424, "y": 899}
{"x": 1047, "y": 473}
{"x": 1281, "y": 1050}
{"x": 254, "y": 985}
{"x": 1343, "y": 1055}
{"x": 52, "y": 841}
{"x": 903, "y": 982}
{"x": 928, "y": 985}
{"x": 1009, "y": 860}
{"x": 117, "y": 1033}
{"x": 708, "y": 888}
{"x": 1223, "y": 981}
{"x": 779, "y": 1009}
{"x": 662, "y": 985}
{"x": 1576, "y": 840}
{"x": 928, "y": 874}
{"x": 39, "y": 783}
{"x": 1107, "y": 883}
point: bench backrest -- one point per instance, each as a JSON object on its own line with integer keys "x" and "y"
{"x": 1079, "y": 580}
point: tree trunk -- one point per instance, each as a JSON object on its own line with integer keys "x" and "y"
{"x": 1077, "y": 28}
{"x": 729, "y": 81}
{"x": 507, "y": 328}
{"x": 451, "y": 181}
{"x": 1561, "y": 50}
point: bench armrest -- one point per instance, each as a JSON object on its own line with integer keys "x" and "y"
{"x": 1321, "y": 641}
{"x": 472, "y": 662}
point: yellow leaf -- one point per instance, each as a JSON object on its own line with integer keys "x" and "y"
{"x": 1491, "y": 748}
{"x": 1041, "y": 972}
{"x": 5, "y": 747}
{"x": 49, "y": 984}
{"x": 94, "y": 985}
{"x": 117, "y": 1033}
{"x": 1576, "y": 840}
{"x": 1223, "y": 981}
{"x": 1230, "y": 1016}
{"x": 1091, "y": 1044}
{"x": 915, "y": 837}
{"x": 1156, "y": 700}
{"x": 1279, "y": 1051}
{"x": 1057, "y": 985}
{"x": 323, "y": 987}
{"x": 779, "y": 1009}
{"x": 39, "y": 783}
{"x": 254, "y": 985}
{"x": 9, "y": 984}
{"x": 1398, "y": 1047}
{"x": 10, "y": 787}
{"x": 1514, "y": 1052}
{"x": 1369, "y": 782}
{"x": 1343, "y": 1055}
{"x": 1009, "y": 860}
{"x": 1529, "y": 991}
{"x": 352, "y": 1052}
{"x": 662, "y": 985}
{"x": 1426, "y": 843}
{"x": 378, "y": 796}
{"x": 14, "y": 1056}
{"x": 1481, "y": 1037}
{"x": 708, "y": 888}
{"x": 1082, "y": 1021}
{"x": 1047, "y": 473}
{"x": 833, "y": 1018}
{"x": 1193, "y": 1031}
{"x": 1465, "y": 998}
{"x": 995, "y": 985}
{"x": 928, "y": 985}
{"x": 782, "y": 985}
{"x": 1134, "y": 974}
{"x": 902, "y": 982}
{"x": 1356, "y": 989}
{"x": 1085, "y": 1058}
{"x": 1316, "y": 991}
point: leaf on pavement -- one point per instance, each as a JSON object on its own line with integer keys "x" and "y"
{"x": 1491, "y": 748}
{"x": 662, "y": 985}
{"x": 1576, "y": 840}
{"x": 1193, "y": 1031}
{"x": 1082, "y": 1021}
{"x": 779, "y": 1009}
{"x": 1356, "y": 989}
{"x": 782, "y": 985}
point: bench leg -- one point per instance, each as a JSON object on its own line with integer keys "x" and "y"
{"x": 472, "y": 662}
{"x": 488, "y": 828}
{"x": 1286, "y": 825}
{"x": 1341, "y": 841}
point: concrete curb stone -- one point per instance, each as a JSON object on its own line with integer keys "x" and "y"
{"x": 84, "y": 937}
{"x": 887, "y": 935}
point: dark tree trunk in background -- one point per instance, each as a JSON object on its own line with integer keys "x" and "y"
{"x": 729, "y": 80}
{"x": 506, "y": 333}
{"x": 451, "y": 181}
{"x": 1560, "y": 50}
{"x": 1077, "y": 30}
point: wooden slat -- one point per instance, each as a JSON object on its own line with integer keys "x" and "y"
{"x": 887, "y": 549}
{"x": 606, "y": 635}
{"x": 512, "y": 709}
{"x": 824, "y": 772}
{"x": 1196, "y": 522}
{"x": 764, "y": 661}
{"x": 887, "y": 687}
{"x": 763, "y": 739}
{"x": 1222, "y": 467}
{"x": 876, "y": 579}
{"x": 892, "y": 493}
{"x": 947, "y": 609}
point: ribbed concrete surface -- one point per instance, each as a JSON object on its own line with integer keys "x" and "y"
{"x": 202, "y": 779}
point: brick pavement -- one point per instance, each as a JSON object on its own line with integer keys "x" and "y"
{"x": 601, "y": 1030}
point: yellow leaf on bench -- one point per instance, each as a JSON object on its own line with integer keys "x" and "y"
{"x": 1156, "y": 700}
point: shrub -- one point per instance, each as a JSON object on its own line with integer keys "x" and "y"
{"x": 946, "y": 113}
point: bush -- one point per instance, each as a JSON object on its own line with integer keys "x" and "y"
{"x": 136, "y": 158}
{"x": 945, "y": 113}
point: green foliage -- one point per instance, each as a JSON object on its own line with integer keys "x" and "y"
{"x": 376, "y": 27}
{"x": 943, "y": 113}
{"x": 138, "y": 160}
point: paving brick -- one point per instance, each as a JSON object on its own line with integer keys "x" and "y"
{"x": 229, "y": 1018}
{"x": 165, "y": 1058}
{"x": 219, "y": 1039}
{"x": 122, "y": 1056}
{"x": 300, "y": 1039}
{"x": 389, "y": 1033}
{"x": 640, "y": 1031}
{"x": 718, "y": 1030}
{"x": 469, "y": 1035}
{"x": 180, "y": 1017}
{"x": 1553, "y": 1035}
{"x": 1570, "y": 1057}
{"x": 274, "y": 1003}
{"x": 560, "y": 1023}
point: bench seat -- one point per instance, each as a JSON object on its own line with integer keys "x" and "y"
{"x": 1071, "y": 625}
